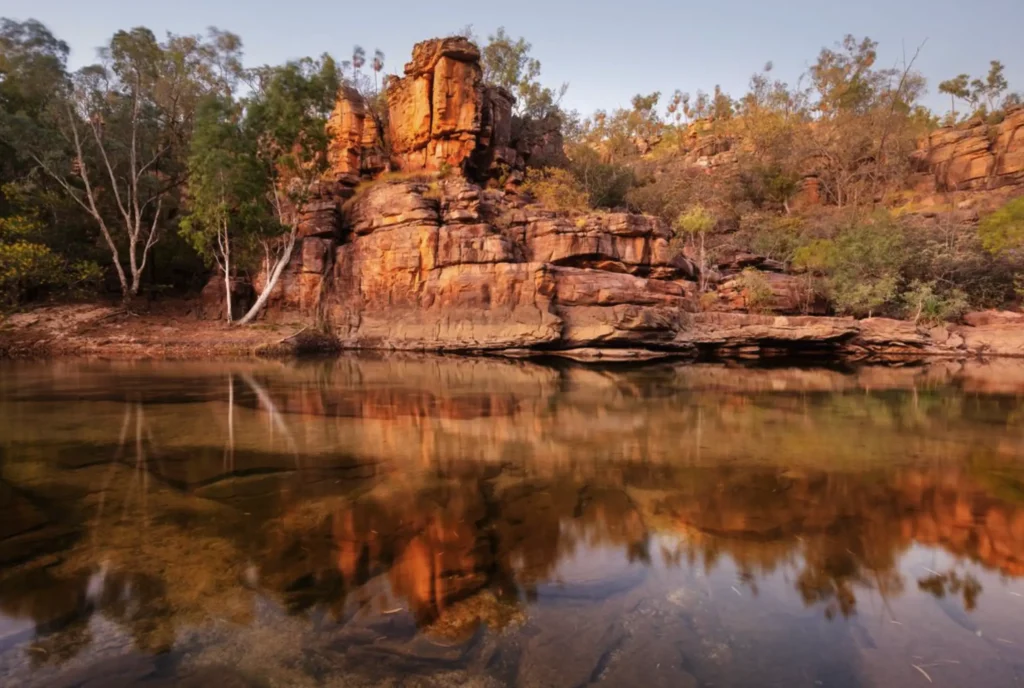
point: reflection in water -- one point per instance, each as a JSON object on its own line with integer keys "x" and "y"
{"x": 435, "y": 520}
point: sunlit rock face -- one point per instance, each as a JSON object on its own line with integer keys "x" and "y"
{"x": 446, "y": 260}
{"x": 973, "y": 156}
{"x": 441, "y": 114}
{"x": 449, "y": 265}
{"x": 356, "y": 142}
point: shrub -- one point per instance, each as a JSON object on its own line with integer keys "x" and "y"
{"x": 557, "y": 189}
{"x": 769, "y": 185}
{"x": 693, "y": 226}
{"x": 30, "y": 269}
{"x": 708, "y": 300}
{"x": 862, "y": 265}
{"x": 772, "y": 236}
{"x": 695, "y": 221}
{"x": 1003, "y": 230}
{"x": 757, "y": 292}
{"x": 606, "y": 183}
{"x": 668, "y": 189}
{"x": 923, "y": 302}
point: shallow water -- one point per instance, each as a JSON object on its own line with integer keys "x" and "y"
{"x": 436, "y": 521}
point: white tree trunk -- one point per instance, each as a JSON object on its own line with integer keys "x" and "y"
{"x": 272, "y": 279}
{"x": 225, "y": 248}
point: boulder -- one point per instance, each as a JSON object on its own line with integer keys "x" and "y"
{"x": 211, "y": 298}
{"x": 782, "y": 293}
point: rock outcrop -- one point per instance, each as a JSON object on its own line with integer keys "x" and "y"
{"x": 356, "y": 146}
{"x": 438, "y": 259}
{"x": 441, "y": 114}
{"x": 973, "y": 156}
{"x": 449, "y": 265}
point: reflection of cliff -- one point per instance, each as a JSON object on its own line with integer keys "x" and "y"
{"x": 421, "y": 546}
{"x": 842, "y": 531}
{"x": 444, "y": 493}
{"x": 424, "y": 550}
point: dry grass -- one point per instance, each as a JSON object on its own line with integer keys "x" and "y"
{"x": 364, "y": 186}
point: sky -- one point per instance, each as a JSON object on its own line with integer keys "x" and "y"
{"x": 606, "y": 51}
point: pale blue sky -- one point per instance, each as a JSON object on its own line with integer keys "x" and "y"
{"x": 606, "y": 50}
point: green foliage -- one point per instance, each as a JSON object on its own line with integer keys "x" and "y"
{"x": 624, "y": 133}
{"x": 862, "y": 265}
{"x": 847, "y": 80}
{"x": 113, "y": 137}
{"x": 757, "y": 292}
{"x": 557, "y": 189}
{"x": 769, "y": 185}
{"x": 1003, "y": 230}
{"x": 32, "y": 74}
{"x": 695, "y": 221}
{"x": 772, "y": 236}
{"x": 925, "y": 302}
{"x": 693, "y": 226}
{"x": 957, "y": 88}
{"x": 288, "y": 115}
{"x": 227, "y": 203}
{"x": 671, "y": 187}
{"x": 606, "y": 183}
{"x": 32, "y": 62}
{"x": 991, "y": 88}
{"x": 29, "y": 269}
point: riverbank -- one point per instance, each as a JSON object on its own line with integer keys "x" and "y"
{"x": 170, "y": 331}
{"x": 173, "y": 330}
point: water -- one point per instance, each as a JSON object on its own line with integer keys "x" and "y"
{"x": 438, "y": 521}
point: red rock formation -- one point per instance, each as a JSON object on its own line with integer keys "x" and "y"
{"x": 441, "y": 114}
{"x": 452, "y": 266}
{"x": 449, "y": 265}
{"x": 356, "y": 147}
{"x": 975, "y": 155}
{"x": 789, "y": 294}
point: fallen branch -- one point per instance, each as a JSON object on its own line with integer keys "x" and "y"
{"x": 923, "y": 673}
{"x": 293, "y": 336}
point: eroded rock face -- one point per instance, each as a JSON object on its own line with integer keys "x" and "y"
{"x": 976, "y": 155}
{"x": 774, "y": 292}
{"x": 441, "y": 113}
{"x": 447, "y": 265}
{"x": 356, "y": 147}
{"x": 451, "y": 266}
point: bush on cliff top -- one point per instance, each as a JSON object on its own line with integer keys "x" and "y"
{"x": 556, "y": 189}
{"x": 1003, "y": 230}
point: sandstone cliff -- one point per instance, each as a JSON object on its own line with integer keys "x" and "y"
{"x": 973, "y": 156}
{"x": 449, "y": 265}
{"x": 441, "y": 258}
{"x": 440, "y": 115}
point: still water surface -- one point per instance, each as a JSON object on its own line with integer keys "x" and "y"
{"x": 435, "y": 521}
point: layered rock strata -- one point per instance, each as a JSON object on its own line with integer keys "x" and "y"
{"x": 449, "y": 265}
{"x": 441, "y": 114}
{"x": 973, "y": 156}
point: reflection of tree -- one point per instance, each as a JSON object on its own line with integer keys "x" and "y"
{"x": 951, "y": 583}
{"x": 488, "y": 489}
{"x": 840, "y": 533}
